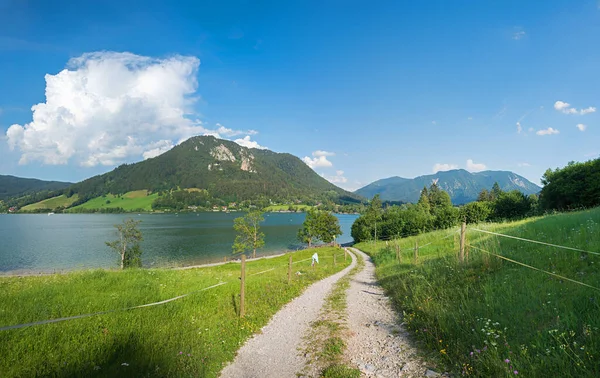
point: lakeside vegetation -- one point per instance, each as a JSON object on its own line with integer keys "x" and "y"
{"x": 490, "y": 317}
{"x": 193, "y": 336}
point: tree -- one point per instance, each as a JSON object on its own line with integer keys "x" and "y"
{"x": 328, "y": 227}
{"x": 308, "y": 232}
{"x": 476, "y": 212}
{"x": 319, "y": 225}
{"x": 128, "y": 244}
{"x": 248, "y": 235}
{"x": 496, "y": 192}
{"x": 484, "y": 196}
{"x": 424, "y": 200}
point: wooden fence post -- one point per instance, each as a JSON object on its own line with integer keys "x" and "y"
{"x": 463, "y": 231}
{"x": 416, "y": 251}
{"x": 290, "y": 270}
{"x": 345, "y": 254}
{"x": 243, "y": 288}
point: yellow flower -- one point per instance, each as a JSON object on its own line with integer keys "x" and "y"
{"x": 443, "y": 351}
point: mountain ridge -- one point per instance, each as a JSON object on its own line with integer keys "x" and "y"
{"x": 461, "y": 185}
{"x": 13, "y": 186}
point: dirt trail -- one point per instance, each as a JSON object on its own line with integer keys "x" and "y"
{"x": 274, "y": 352}
{"x": 378, "y": 345}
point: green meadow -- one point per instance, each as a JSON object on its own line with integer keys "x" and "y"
{"x": 287, "y": 207}
{"x": 192, "y": 336}
{"x": 489, "y": 317}
{"x": 52, "y": 203}
{"x": 130, "y": 201}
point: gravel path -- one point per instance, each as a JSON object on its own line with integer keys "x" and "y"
{"x": 274, "y": 351}
{"x": 378, "y": 345}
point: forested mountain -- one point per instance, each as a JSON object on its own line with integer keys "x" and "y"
{"x": 11, "y": 186}
{"x": 461, "y": 185}
{"x": 225, "y": 169}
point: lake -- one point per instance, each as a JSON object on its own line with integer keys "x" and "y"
{"x": 62, "y": 242}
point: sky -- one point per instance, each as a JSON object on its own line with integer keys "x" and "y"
{"x": 358, "y": 90}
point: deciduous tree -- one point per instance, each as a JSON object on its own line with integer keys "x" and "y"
{"x": 128, "y": 243}
{"x": 249, "y": 237}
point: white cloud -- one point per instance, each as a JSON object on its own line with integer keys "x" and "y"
{"x": 319, "y": 159}
{"x": 587, "y": 110}
{"x": 519, "y": 128}
{"x": 323, "y": 153}
{"x": 581, "y": 126}
{"x": 524, "y": 165}
{"x": 338, "y": 178}
{"x": 474, "y": 167}
{"x": 566, "y": 108}
{"x": 317, "y": 162}
{"x": 108, "y": 107}
{"x": 518, "y": 35}
{"x": 224, "y": 131}
{"x": 548, "y": 131}
{"x": 443, "y": 167}
{"x": 246, "y": 142}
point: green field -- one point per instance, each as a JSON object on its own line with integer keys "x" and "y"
{"x": 130, "y": 201}
{"x": 51, "y": 203}
{"x": 287, "y": 207}
{"x": 192, "y": 336}
{"x": 490, "y": 317}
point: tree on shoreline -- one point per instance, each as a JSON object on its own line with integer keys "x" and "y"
{"x": 128, "y": 244}
{"x": 248, "y": 235}
{"x": 319, "y": 225}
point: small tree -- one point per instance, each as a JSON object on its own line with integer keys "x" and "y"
{"x": 128, "y": 244}
{"x": 248, "y": 235}
{"x": 308, "y": 232}
{"x": 328, "y": 227}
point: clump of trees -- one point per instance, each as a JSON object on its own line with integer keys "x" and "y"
{"x": 434, "y": 210}
{"x": 128, "y": 243}
{"x": 575, "y": 186}
{"x": 497, "y": 205}
{"x": 249, "y": 237}
{"x": 319, "y": 226}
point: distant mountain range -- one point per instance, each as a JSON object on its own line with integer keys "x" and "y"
{"x": 11, "y": 186}
{"x": 461, "y": 185}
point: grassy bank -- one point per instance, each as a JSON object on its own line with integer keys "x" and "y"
{"x": 52, "y": 203}
{"x": 491, "y": 317}
{"x": 130, "y": 201}
{"x": 193, "y": 336}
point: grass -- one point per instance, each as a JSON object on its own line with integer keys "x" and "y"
{"x": 287, "y": 207}
{"x": 193, "y": 336}
{"x": 325, "y": 344}
{"x": 51, "y": 203}
{"x": 130, "y": 201}
{"x": 490, "y": 317}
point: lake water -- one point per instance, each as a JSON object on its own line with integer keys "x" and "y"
{"x": 60, "y": 242}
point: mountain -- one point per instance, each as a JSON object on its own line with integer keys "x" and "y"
{"x": 11, "y": 186}
{"x": 461, "y": 185}
{"x": 224, "y": 168}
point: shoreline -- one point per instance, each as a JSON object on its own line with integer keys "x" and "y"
{"x": 236, "y": 260}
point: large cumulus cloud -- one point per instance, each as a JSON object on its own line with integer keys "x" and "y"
{"x": 105, "y": 108}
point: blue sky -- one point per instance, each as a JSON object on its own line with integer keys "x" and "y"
{"x": 359, "y": 90}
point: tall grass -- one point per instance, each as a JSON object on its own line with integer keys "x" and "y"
{"x": 193, "y": 336}
{"x": 490, "y": 317}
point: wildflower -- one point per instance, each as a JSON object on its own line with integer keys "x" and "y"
{"x": 124, "y": 364}
{"x": 180, "y": 352}
{"x": 507, "y": 360}
{"x": 471, "y": 353}
{"x": 516, "y": 372}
